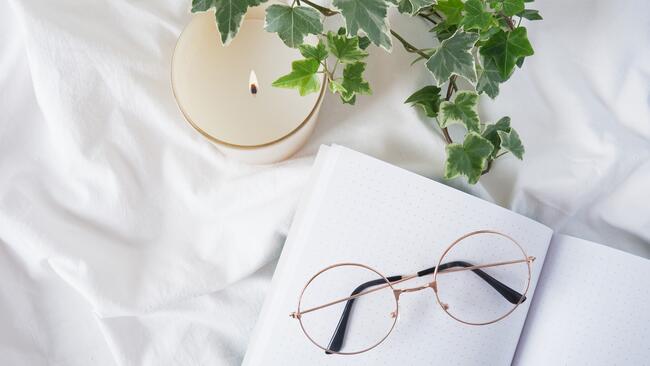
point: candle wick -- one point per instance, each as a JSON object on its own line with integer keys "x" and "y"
{"x": 252, "y": 82}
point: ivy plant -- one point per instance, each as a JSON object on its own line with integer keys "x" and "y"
{"x": 480, "y": 41}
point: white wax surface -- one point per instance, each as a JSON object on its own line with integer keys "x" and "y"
{"x": 211, "y": 83}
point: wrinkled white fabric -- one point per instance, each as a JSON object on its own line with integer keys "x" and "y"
{"x": 126, "y": 238}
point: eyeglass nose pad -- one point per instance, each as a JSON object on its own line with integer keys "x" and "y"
{"x": 434, "y": 287}
{"x": 394, "y": 314}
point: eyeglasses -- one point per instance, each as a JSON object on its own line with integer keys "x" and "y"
{"x": 350, "y": 308}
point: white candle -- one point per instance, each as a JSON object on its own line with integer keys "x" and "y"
{"x": 226, "y": 93}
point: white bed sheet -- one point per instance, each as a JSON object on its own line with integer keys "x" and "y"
{"x": 126, "y": 238}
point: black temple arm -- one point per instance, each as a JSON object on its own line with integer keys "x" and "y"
{"x": 508, "y": 293}
{"x": 336, "y": 343}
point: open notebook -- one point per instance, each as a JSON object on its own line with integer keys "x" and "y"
{"x": 587, "y": 304}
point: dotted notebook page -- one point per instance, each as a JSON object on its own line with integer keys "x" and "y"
{"x": 359, "y": 209}
{"x": 591, "y": 307}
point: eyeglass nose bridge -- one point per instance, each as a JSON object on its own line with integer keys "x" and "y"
{"x": 432, "y": 285}
{"x": 399, "y": 291}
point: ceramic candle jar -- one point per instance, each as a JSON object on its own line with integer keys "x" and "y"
{"x": 225, "y": 93}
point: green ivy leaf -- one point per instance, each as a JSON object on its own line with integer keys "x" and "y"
{"x": 489, "y": 78}
{"x": 510, "y": 141}
{"x": 444, "y": 30}
{"x": 462, "y": 110}
{"x": 506, "y": 48}
{"x": 345, "y": 49}
{"x": 302, "y": 77}
{"x": 364, "y": 42}
{"x": 201, "y": 5}
{"x": 318, "y": 52}
{"x": 520, "y": 62}
{"x": 468, "y": 159}
{"x": 336, "y": 87}
{"x": 496, "y": 5}
{"x": 476, "y": 17}
{"x": 369, "y": 16}
{"x": 491, "y": 133}
{"x": 350, "y": 101}
{"x": 530, "y": 14}
{"x": 292, "y": 24}
{"x": 428, "y": 98}
{"x": 412, "y": 7}
{"x": 486, "y": 34}
{"x": 454, "y": 56}
{"x": 512, "y": 7}
{"x": 228, "y": 13}
{"x": 353, "y": 82}
{"x": 451, "y": 9}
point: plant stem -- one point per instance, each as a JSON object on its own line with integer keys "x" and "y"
{"x": 323, "y": 10}
{"x": 487, "y": 169}
{"x": 428, "y": 18}
{"x": 489, "y": 166}
{"x": 451, "y": 87}
{"x": 450, "y": 91}
{"x": 500, "y": 155}
{"x": 445, "y": 134}
{"x": 336, "y": 64}
{"x": 409, "y": 47}
{"x": 508, "y": 19}
{"x": 330, "y": 75}
{"x": 439, "y": 18}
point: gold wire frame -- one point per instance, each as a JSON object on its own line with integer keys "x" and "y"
{"x": 397, "y": 292}
{"x": 528, "y": 260}
{"x": 298, "y": 313}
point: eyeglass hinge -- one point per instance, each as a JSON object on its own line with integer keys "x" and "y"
{"x": 397, "y": 292}
{"x": 434, "y": 286}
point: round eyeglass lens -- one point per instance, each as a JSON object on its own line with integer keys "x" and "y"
{"x": 348, "y": 326}
{"x": 483, "y": 295}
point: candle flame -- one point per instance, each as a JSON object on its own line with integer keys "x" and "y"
{"x": 252, "y": 82}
